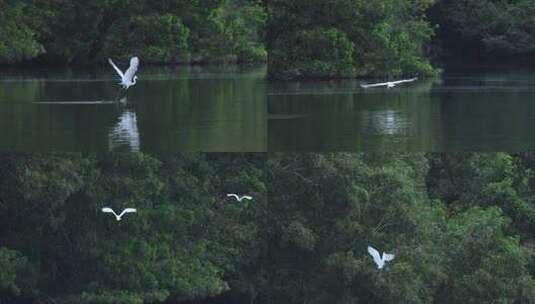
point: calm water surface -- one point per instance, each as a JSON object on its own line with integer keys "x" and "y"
{"x": 170, "y": 109}
{"x": 466, "y": 109}
{"x": 236, "y": 109}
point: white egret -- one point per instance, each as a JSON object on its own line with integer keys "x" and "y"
{"x": 118, "y": 217}
{"x": 239, "y": 198}
{"x": 380, "y": 261}
{"x": 389, "y": 84}
{"x": 129, "y": 77}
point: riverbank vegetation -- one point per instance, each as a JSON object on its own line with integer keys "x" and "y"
{"x": 174, "y": 31}
{"x": 303, "y": 38}
{"x": 461, "y": 226}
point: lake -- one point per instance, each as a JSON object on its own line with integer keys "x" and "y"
{"x": 170, "y": 109}
{"x": 231, "y": 109}
{"x": 464, "y": 109}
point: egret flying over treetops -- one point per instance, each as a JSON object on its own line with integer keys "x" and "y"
{"x": 380, "y": 261}
{"x": 240, "y": 198}
{"x": 118, "y": 217}
{"x": 129, "y": 77}
{"x": 389, "y": 84}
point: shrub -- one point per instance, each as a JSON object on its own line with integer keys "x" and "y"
{"x": 319, "y": 53}
{"x": 155, "y": 38}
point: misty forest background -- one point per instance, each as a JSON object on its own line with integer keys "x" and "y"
{"x": 298, "y": 38}
{"x": 461, "y": 225}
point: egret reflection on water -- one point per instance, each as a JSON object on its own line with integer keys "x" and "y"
{"x": 386, "y": 122}
{"x": 95, "y": 102}
{"x": 125, "y": 132}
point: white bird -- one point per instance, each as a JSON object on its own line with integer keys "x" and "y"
{"x": 240, "y": 198}
{"x": 380, "y": 261}
{"x": 389, "y": 84}
{"x": 118, "y": 217}
{"x": 129, "y": 77}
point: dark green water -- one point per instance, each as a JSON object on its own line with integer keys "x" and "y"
{"x": 237, "y": 109}
{"x": 180, "y": 109}
{"x": 468, "y": 109}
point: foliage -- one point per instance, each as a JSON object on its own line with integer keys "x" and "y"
{"x": 186, "y": 241}
{"x": 304, "y": 38}
{"x": 327, "y": 208}
{"x": 18, "y": 41}
{"x": 493, "y": 27}
{"x": 460, "y": 226}
{"x": 313, "y": 53}
{"x": 388, "y": 37}
{"x": 138, "y": 39}
{"x": 487, "y": 265}
{"x": 158, "y": 31}
{"x": 485, "y": 179}
{"x": 13, "y": 266}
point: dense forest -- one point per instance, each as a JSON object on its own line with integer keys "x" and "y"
{"x": 298, "y": 38}
{"x": 187, "y": 241}
{"x": 168, "y": 31}
{"x": 461, "y": 227}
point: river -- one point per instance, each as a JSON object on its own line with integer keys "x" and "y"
{"x": 236, "y": 109}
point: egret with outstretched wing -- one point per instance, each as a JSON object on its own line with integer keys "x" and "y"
{"x": 118, "y": 217}
{"x": 129, "y": 77}
{"x": 389, "y": 84}
{"x": 240, "y": 198}
{"x": 380, "y": 261}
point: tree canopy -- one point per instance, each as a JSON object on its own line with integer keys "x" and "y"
{"x": 303, "y": 38}
{"x": 347, "y": 38}
{"x": 461, "y": 227}
{"x": 487, "y": 28}
{"x": 159, "y": 31}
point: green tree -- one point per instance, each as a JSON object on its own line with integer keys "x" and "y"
{"x": 487, "y": 27}
{"x": 18, "y": 40}
{"x": 328, "y": 208}
{"x": 186, "y": 242}
{"x": 14, "y": 277}
{"x": 76, "y": 32}
{"x": 388, "y": 37}
{"x": 485, "y": 265}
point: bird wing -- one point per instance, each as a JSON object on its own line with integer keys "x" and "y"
{"x": 388, "y": 257}
{"x": 234, "y": 195}
{"x": 375, "y": 255}
{"x": 116, "y": 68}
{"x": 405, "y": 80}
{"x": 134, "y": 63}
{"x": 365, "y": 86}
{"x": 127, "y": 210}
{"x": 109, "y": 210}
{"x": 247, "y": 197}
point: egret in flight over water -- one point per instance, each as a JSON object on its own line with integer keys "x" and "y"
{"x": 129, "y": 77}
{"x": 380, "y": 261}
{"x": 118, "y": 217}
{"x": 389, "y": 84}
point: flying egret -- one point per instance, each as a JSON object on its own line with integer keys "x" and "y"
{"x": 118, "y": 217}
{"x": 240, "y": 198}
{"x": 380, "y": 261}
{"x": 389, "y": 84}
{"x": 129, "y": 77}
